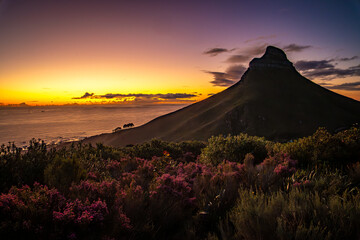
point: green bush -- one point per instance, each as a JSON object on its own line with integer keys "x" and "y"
{"x": 322, "y": 147}
{"x": 234, "y": 148}
{"x": 18, "y": 167}
{"x": 62, "y": 172}
{"x": 296, "y": 215}
{"x": 157, "y": 148}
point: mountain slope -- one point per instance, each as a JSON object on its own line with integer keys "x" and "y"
{"x": 272, "y": 100}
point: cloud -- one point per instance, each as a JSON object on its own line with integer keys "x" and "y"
{"x": 220, "y": 79}
{"x": 215, "y": 51}
{"x": 139, "y": 96}
{"x": 348, "y": 59}
{"x": 231, "y": 75}
{"x": 238, "y": 59}
{"x": 255, "y": 50}
{"x": 325, "y": 69}
{"x": 23, "y": 104}
{"x": 295, "y": 47}
{"x": 143, "y": 95}
{"x": 261, "y": 38}
{"x": 245, "y": 54}
{"x": 86, "y": 95}
{"x": 260, "y": 49}
{"x": 310, "y": 65}
{"x": 325, "y": 84}
{"x": 353, "y": 86}
{"x": 357, "y": 67}
{"x": 321, "y": 64}
{"x": 175, "y": 95}
{"x": 332, "y": 73}
{"x": 236, "y": 71}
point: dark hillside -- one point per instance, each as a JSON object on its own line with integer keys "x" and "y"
{"x": 272, "y": 100}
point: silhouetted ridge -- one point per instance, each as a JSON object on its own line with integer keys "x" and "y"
{"x": 273, "y": 58}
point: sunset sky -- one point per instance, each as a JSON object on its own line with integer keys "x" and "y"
{"x": 101, "y": 51}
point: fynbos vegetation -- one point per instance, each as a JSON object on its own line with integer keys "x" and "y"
{"x": 234, "y": 187}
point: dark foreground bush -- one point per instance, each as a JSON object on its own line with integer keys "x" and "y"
{"x": 18, "y": 167}
{"x": 234, "y": 148}
{"x": 322, "y": 147}
{"x": 298, "y": 214}
{"x": 62, "y": 172}
{"x": 157, "y": 147}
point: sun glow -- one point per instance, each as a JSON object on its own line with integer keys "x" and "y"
{"x": 51, "y": 85}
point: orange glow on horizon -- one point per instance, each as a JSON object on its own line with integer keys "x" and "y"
{"x": 50, "y": 85}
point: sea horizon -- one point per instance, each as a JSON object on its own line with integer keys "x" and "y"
{"x": 55, "y": 123}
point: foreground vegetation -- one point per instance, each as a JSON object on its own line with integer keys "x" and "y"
{"x": 235, "y": 187}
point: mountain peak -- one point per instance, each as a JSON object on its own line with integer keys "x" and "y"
{"x": 273, "y": 58}
{"x": 275, "y": 53}
{"x": 272, "y": 100}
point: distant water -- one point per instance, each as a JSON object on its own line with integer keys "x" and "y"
{"x": 55, "y": 124}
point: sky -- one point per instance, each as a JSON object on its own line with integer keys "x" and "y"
{"x": 56, "y": 52}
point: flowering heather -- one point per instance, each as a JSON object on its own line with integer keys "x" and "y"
{"x": 92, "y": 175}
{"x": 77, "y": 212}
{"x": 174, "y": 187}
{"x": 305, "y": 183}
{"x": 91, "y": 190}
{"x": 281, "y": 163}
{"x": 285, "y": 165}
{"x": 29, "y": 210}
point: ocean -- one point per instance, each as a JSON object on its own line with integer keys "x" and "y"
{"x": 55, "y": 124}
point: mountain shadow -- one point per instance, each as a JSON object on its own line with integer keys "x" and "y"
{"x": 271, "y": 99}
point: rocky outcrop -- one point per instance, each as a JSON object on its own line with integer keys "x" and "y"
{"x": 273, "y": 58}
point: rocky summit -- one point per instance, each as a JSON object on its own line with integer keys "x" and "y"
{"x": 273, "y": 58}
{"x": 271, "y": 99}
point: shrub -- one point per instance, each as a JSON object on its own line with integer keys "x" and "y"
{"x": 325, "y": 181}
{"x": 27, "y": 213}
{"x": 18, "y": 167}
{"x": 157, "y": 147}
{"x": 216, "y": 192}
{"x": 322, "y": 147}
{"x": 193, "y": 147}
{"x": 171, "y": 203}
{"x": 108, "y": 191}
{"x": 153, "y": 148}
{"x": 62, "y": 172}
{"x": 43, "y": 213}
{"x": 271, "y": 174}
{"x": 296, "y": 215}
{"x": 234, "y": 149}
